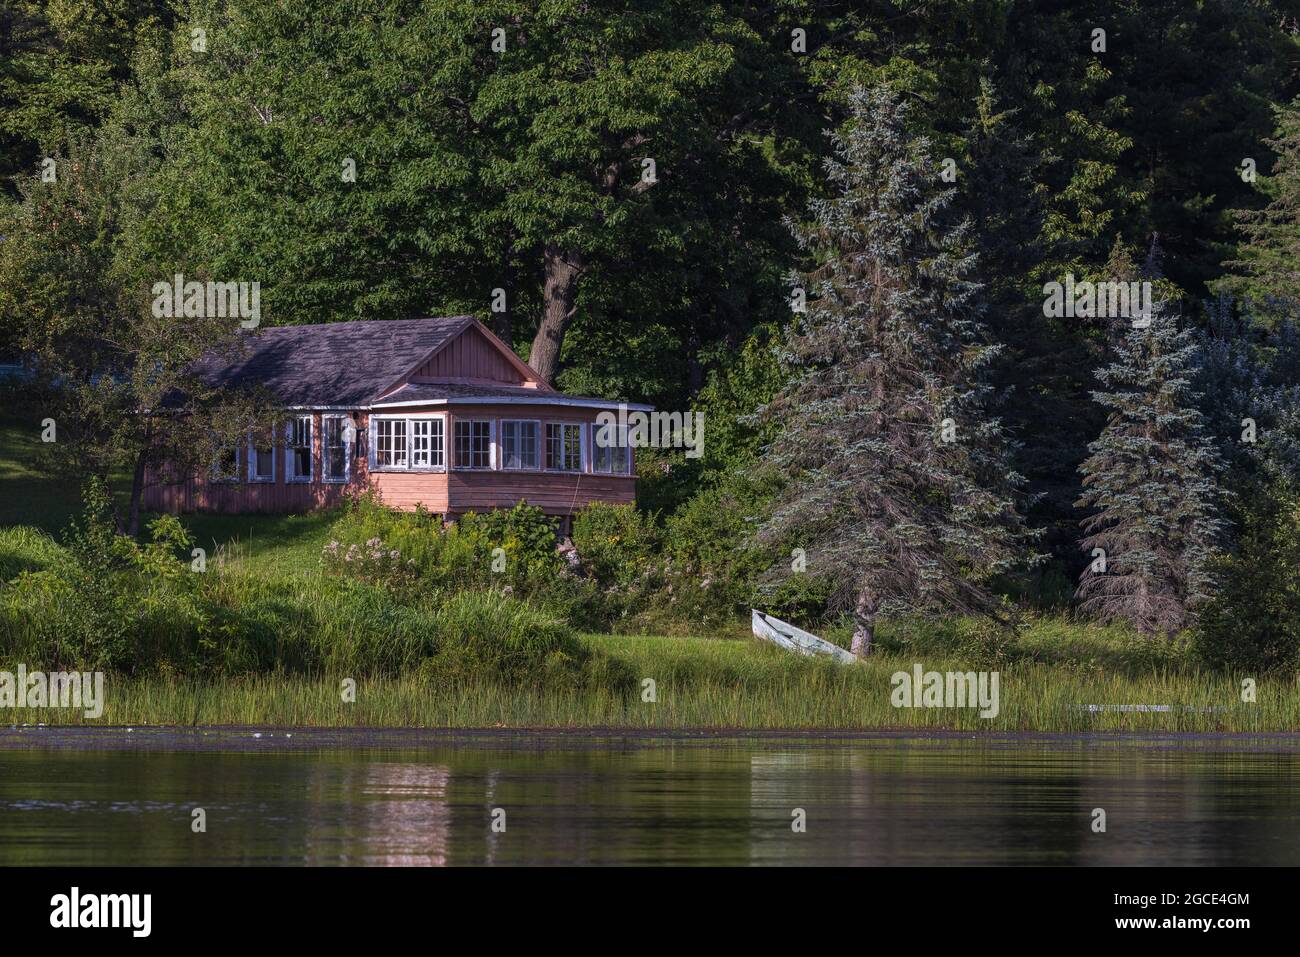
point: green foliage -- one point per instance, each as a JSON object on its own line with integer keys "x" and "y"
{"x": 487, "y": 634}
{"x": 895, "y": 513}
{"x": 523, "y": 532}
{"x": 512, "y": 547}
{"x": 105, "y": 602}
{"x": 616, "y": 544}
{"x": 1051, "y": 640}
{"x": 521, "y": 168}
{"x": 1151, "y": 483}
{"x": 62, "y": 62}
{"x": 1252, "y": 623}
{"x": 1265, "y": 272}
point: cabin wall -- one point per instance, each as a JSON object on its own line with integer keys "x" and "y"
{"x": 556, "y": 493}
{"x": 450, "y": 492}
{"x": 199, "y": 493}
{"x": 405, "y": 491}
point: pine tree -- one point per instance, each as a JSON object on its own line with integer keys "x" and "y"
{"x": 1151, "y": 483}
{"x": 898, "y": 486}
{"x": 1267, "y": 270}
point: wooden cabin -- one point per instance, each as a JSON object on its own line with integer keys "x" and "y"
{"x": 436, "y": 412}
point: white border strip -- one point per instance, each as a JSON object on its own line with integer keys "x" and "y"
{"x": 504, "y": 400}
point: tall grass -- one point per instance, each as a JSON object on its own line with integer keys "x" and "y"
{"x": 702, "y": 684}
{"x": 25, "y": 549}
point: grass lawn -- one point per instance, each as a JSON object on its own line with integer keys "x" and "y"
{"x": 274, "y": 543}
{"x": 28, "y": 497}
{"x": 271, "y": 544}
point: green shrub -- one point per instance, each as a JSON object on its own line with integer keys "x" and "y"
{"x": 616, "y": 544}
{"x": 411, "y": 552}
{"x": 1252, "y": 623}
{"x": 524, "y": 533}
{"x": 718, "y": 573}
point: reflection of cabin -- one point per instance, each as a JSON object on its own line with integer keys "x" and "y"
{"x": 438, "y": 412}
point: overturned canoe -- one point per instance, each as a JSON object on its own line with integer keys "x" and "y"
{"x": 795, "y": 639}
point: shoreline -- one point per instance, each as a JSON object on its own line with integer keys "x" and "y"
{"x": 287, "y": 738}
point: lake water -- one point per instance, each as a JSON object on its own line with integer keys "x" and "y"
{"x": 108, "y": 796}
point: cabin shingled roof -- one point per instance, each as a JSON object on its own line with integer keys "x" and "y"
{"x": 330, "y": 364}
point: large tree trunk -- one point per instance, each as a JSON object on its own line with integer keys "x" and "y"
{"x": 558, "y": 296}
{"x": 864, "y": 618}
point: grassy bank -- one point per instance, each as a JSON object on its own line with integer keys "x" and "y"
{"x": 705, "y": 683}
{"x": 267, "y": 634}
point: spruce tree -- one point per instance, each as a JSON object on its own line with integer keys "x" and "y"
{"x": 897, "y": 486}
{"x": 1267, "y": 270}
{"x": 1151, "y": 483}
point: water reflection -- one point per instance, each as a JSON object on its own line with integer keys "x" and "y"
{"x": 645, "y": 801}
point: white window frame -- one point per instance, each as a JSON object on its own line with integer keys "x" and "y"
{"x": 289, "y": 457}
{"x": 414, "y": 451}
{"x": 405, "y": 465}
{"x": 253, "y": 477}
{"x": 409, "y": 421}
{"x": 596, "y": 449}
{"x": 493, "y": 457}
{"x": 539, "y": 447}
{"x": 583, "y": 459}
{"x": 347, "y": 449}
{"x": 217, "y": 477}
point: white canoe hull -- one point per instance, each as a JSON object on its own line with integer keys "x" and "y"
{"x": 796, "y": 639}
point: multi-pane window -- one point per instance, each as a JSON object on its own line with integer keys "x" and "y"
{"x": 297, "y": 462}
{"x": 426, "y": 443}
{"x": 409, "y": 443}
{"x": 261, "y": 465}
{"x": 519, "y": 445}
{"x": 564, "y": 446}
{"x": 437, "y": 443}
{"x": 473, "y": 444}
{"x": 390, "y": 443}
{"x": 610, "y": 451}
{"x": 335, "y": 448}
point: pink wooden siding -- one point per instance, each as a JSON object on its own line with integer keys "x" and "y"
{"x": 452, "y": 491}
{"x": 470, "y": 356}
{"x": 201, "y": 494}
